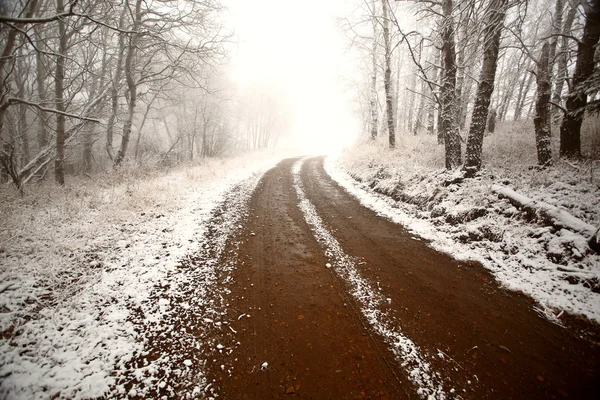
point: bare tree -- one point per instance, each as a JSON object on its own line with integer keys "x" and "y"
{"x": 373, "y": 93}
{"x": 448, "y": 91}
{"x": 496, "y": 13}
{"x": 570, "y": 128}
{"x": 542, "y": 108}
{"x": 563, "y": 57}
{"x": 387, "y": 80}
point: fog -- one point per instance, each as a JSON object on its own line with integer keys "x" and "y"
{"x": 297, "y": 50}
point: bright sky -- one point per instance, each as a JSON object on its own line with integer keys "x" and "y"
{"x": 295, "y": 45}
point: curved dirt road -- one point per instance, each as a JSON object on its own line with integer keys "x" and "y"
{"x": 330, "y": 301}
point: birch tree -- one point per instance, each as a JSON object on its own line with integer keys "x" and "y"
{"x": 389, "y": 95}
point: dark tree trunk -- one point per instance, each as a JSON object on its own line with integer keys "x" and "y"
{"x": 563, "y": 59}
{"x": 570, "y": 129}
{"x": 59, "y": 172}
{"x": 448, "y": 90}
{"x": 491, "y": 122}
{"x": 557, "y": 21}
{"x": 492, "y": 32}
{"x": 542, "y": 108}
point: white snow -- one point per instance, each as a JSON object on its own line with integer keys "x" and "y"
{"x": 468, "y": 220}
{"x": 74, "y": 265}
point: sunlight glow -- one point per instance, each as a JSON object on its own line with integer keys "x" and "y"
{"x": 297, "y": 47}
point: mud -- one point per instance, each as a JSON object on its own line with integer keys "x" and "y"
{"x": 296, "y": 332}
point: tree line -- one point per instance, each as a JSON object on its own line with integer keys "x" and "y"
{"x": 87, "y": 83}
{"x": 460, "y": 65}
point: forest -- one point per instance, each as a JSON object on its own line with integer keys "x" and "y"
{"x": 87, "y": 85}
{"x": 460, "y": 68}
{"x": 273, "y": 198}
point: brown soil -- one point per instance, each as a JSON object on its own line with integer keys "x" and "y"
{"x": 290, "y": 311}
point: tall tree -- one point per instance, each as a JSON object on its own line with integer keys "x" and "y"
{"x": 389, "y": 96}
{"x": 448, "y": 90}
{"x": 132, "y": 83}
{"x": 373, "y": 92}
{"x": 542, "y": 108}
{"x": 570, "y": 128}
{"x": 563, "y": 56}
{"x": 59, "y": 80}
{"x": 496, "y": 13}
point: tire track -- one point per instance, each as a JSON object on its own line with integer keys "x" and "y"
{"x": 408, "y": 354}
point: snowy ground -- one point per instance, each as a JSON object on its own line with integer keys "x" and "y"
{"x": 79, "y": 266}
{"x": 468, "y": 220}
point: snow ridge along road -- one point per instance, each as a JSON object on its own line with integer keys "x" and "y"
{"x": 301, "y": 329}
{"x": 371, "y": 300}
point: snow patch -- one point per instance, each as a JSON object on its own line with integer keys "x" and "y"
{"x": 466, "y": 219}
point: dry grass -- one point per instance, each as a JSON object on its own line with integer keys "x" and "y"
{"x": 511, "y": 149}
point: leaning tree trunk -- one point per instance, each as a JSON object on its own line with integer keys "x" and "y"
{"x": 448, "y": 90}
{"x": 59, "y": 79}
{"x": 570, "y": 128}
{"x": 373, "y": 94}
{"x": 389, "y": 96}
{"x": 492, "y": 33}
{"x": 542, "y": 109}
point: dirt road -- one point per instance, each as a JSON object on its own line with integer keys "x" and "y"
{"x": 330, "y": 301}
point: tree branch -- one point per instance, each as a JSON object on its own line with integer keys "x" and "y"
{"x": 12, "y": 100}
{"x": 39, "y": 20}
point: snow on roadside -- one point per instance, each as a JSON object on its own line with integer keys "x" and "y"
{"x": 408, "y": 354}
{"x": 74, "y": 264}
{"x": 466, "y": 219}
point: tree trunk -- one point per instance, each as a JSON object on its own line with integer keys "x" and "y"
{"x": 389, "y": 106}
{"x": 88, "y": 137}
{"x": 492, "y": 33}
{"x": 448, "y": 91}
{"x": 131, "y": 83}
{"x": 42, "y": 134}
{"x": 432, "y": 104}
{"x": 373, "y": 94}
{"x": 114, "y": 97}
{"x": 522, "y": 94}
{"x": 411, "y": 101}
{"x": 563, "y": 59}
{"x": 570, "y": 129}
{"x": 139, "y": 135}
{"x": 59, "y": 172}
{"x": 5, "y": 57}
{"x": 418, "y": 127}
{"x": 542, "y": 108}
